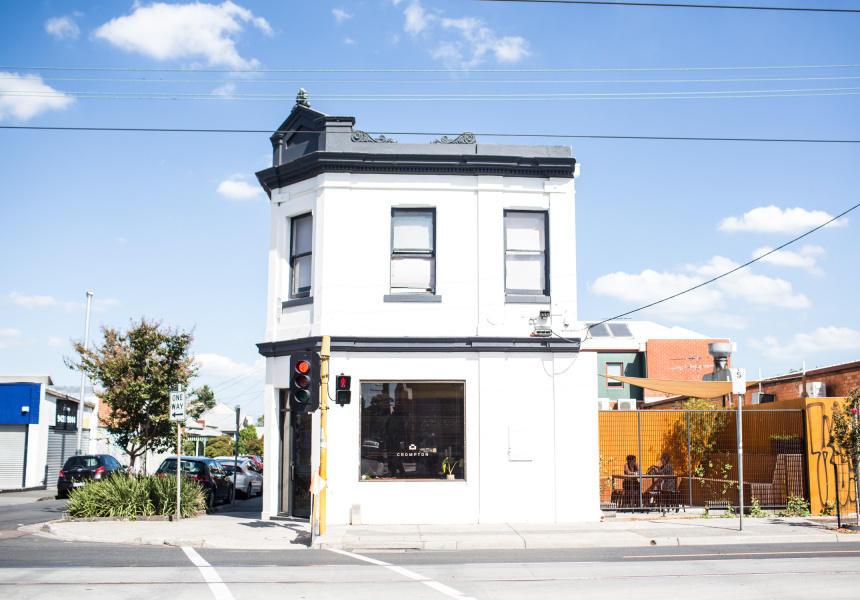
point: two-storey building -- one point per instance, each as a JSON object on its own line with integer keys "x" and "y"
{"x": 438, "y": 270}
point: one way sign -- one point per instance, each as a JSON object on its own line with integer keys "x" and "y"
{"x": 177, "y": 406}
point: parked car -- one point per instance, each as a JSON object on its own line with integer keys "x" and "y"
{"x": 248, "y": 480}
{"x": 216, "y": 482}
{"x": 78, "y": 470}
{"x": 258, "y": 460}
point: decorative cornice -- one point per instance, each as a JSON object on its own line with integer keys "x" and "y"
{"x": 464, "y": 138}
{"x": 316, "y": 163}
{"x": 401, "y": 345}
{"x": 361, "y": 136}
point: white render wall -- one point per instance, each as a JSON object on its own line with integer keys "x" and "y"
{"x": 531, "y": 449}
{"x": 352, "y": 260}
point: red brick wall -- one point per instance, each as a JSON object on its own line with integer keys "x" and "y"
{"x": 839, "y": 382}
{"x": 683, "y": 360}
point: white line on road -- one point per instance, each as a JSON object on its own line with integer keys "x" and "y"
{"x": 439, "y": 587}
{"x": 216, "y": 584}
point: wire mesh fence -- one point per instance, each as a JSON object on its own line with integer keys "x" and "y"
{"x": 668, "y": 460}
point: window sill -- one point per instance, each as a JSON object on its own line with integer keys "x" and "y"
{"x": 516, "y": 299}
{"x": 411, "y": 298}
{"x": 297, "y": 302}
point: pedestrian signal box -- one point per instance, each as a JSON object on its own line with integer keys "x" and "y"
{"x": 343, "y": 393}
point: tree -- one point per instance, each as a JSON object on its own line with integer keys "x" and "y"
{"x": 845, "y": 434}
{"x": 136, "y": 370}
{"x": 220, "y": 446}
{"x": 255, "y": 447}
{"x": 204, "y": 399}
{"x": 246, "y": 436}
{"x": 261, "y": 421}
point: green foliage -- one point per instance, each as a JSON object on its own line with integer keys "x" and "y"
{"x": 134, "y": 496}
{"x": 756, "y": 511}
{"x": 785, "y": 436}
{"x": 246, "y": 436}
{"x": 201, "y": 400}
{"x": 449, "y": 464}
{"x": 261, "y": 421}
{"x": 255, "y": 447}
{"x": 829, "y": 509}
{"x": 220, "y": 446}
{"x": 797, "y": 507}
{"x": 705, "y": 429}
{"x": 136, "y": 370}
{"x": 606, "y": 471}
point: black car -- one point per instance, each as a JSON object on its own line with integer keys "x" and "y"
{"x": 209, "y": 473}
{"x": 78, "y": 470}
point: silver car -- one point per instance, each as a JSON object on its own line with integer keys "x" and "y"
{"x": 249, "y": 481}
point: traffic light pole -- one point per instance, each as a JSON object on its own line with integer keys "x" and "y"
{"x": 325, "y": 352}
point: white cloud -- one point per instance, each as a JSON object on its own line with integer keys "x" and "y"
{"x": 348, "y": 41}
{"x": 7, "y": 333}
{"x": 462, "y": 42}
{"x": 184, "y": 31}
{"x": 772, "y": 219}
{"x": 340, "y": 15}
{"x": 236, "y": 188}
{"x": 10, "y": 338}
{"x": 225, "y": 90}
{"x": 706, "y": 303}
{"x": 804, "y": 259}
{"x": 31, "y": 302}
{"x": 25, "y": 96}
{"x": 55, "y": 342}
{"x": 62, "y": 28}
{"x": 803, "y": 345}
{"x": 215, "y": 365}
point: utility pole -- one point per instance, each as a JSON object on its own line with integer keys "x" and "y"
{"x": 236, "y": 457}
{"x": 325, "y": 353}
{"x": 83, "y": 378}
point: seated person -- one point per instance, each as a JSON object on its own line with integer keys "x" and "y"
{"x": 668, "y": 483}
{"x": 631, "y": 486}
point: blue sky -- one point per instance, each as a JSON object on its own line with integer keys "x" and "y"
{"x": 173, "y": 225}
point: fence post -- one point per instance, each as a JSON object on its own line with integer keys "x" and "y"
{"x": 689, "y": 463}
{"x": 838, "y": 510}
{"x": 639, "y": 428}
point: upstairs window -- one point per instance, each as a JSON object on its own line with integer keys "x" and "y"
{"x": 616, "y": 370}
{"x": 526, "y": 253}
{"x": 301, "y": 248}
{"x": 413, "y": 251}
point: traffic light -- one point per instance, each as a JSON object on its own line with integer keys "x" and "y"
{"x": 304, "y": 382}
{"x": 342, "y": 385}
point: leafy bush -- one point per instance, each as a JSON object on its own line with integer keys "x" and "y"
{"x": 133, "y": 496}
{"x": 797, "y": 507}
{"x": 756, "y": 511}
{"x": 828, "y": 509}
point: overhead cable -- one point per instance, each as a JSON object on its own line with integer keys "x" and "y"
{"x": 667, "y": 5}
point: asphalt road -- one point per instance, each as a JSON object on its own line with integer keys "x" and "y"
{"x": 36, "y": 567}
{"x": 14, "y": 513}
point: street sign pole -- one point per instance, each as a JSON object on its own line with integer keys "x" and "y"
{"x": 177, "y": 413}
{"x": 739, "y": 387}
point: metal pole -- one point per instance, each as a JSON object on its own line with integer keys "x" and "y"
{"x": 236, "y": 457}
{"x": 741, "y": 460}
{"x": 325, "y": 353}
{"x": 689, "y": 463}
{"x": 838, "y": 510}
{"x": 178, "y": 467}
{"x": 83, "y": 377}
{"x": 639, "y": 427}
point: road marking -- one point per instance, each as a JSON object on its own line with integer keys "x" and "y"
{"x": 216, "y": 584}
{"x": 439, "y": 587}
{"x": 745, "y": 554}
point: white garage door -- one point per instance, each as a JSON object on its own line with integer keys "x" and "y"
{"x": 12, "y": 456}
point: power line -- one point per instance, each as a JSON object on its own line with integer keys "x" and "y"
{"x": 430, "y": 134}
{"x": 604, "y": 70}
{"x": 666, "y": 5}
{"x": 709, "y": 281}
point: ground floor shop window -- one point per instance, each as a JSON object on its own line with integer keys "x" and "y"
{"x": 413, "y": 430}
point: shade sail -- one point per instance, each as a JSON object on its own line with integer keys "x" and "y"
{"x": 692, "y": 389}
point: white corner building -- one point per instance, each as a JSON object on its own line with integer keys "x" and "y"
{"x": 438, "y": 270}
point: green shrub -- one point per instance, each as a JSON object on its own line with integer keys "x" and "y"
{"x": 797, "y": 507}
{"x": 133, "y": 496}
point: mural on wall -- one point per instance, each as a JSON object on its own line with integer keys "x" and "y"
{"x": 824, "y": 462}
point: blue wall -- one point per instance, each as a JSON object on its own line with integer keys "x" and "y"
{"x": 15, "y": 395}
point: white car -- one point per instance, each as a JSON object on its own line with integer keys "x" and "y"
{"x": 249, "y": 481}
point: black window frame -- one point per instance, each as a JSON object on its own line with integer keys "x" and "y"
{"x": 413, "y": 252}
{"x": 515, "y": 292}
{"x": 294, "y": 257}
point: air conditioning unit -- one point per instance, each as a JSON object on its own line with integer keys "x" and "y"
{"x": 603, "y": 404}
{"x": 627, "y": 405}
{"x": 816, "y": 389}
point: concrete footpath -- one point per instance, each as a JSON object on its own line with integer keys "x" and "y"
{"x": 244, "y": 530}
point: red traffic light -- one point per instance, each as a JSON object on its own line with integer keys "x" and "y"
{"x": 302, "y": 366}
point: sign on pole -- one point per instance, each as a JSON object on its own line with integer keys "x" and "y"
{"x": 739, "y": 381}
{"x": 177, "y": 406}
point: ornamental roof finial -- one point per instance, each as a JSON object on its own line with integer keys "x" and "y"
{"x": 302, "y": 98}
